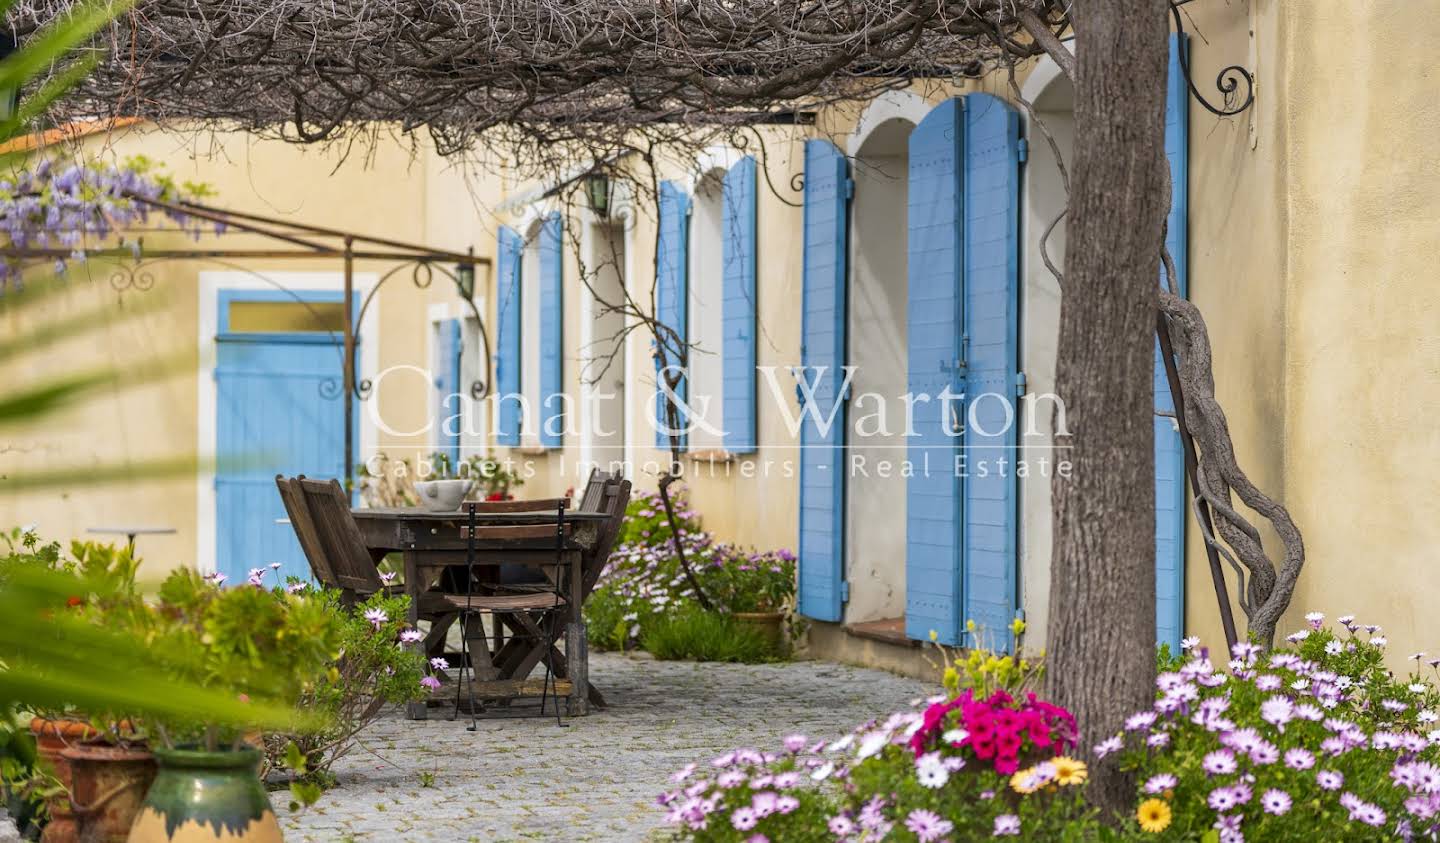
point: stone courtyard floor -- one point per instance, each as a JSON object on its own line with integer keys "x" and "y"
{"x": 526, "y": 779}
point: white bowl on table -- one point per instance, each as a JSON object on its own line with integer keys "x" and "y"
{"x": 443, "y": 495}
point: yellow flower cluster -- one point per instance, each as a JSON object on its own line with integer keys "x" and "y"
{"x": 1061, "y": 771}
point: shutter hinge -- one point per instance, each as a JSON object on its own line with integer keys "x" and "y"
{"x": 849, "y": 188}
{"x": 844, "y": 591}
{"x": 1023, "y": 150}
{"x": 1020, "y": 384}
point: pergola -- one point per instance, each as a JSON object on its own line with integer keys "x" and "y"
{"x": 293, "y": 240}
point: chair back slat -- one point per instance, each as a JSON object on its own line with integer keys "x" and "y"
{"x": 344, "y": 544}
{"x": 593, "y": 498}
{"x": 616, "y": 499}
{"x": 305, "y": 532}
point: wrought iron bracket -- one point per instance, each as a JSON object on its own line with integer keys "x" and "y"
{"x": 1228, "y": 81}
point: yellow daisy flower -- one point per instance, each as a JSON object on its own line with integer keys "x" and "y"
{"x": 1154, "y": 816}
{"x": 1069, "y": 771}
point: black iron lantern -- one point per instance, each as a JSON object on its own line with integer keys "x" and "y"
{"x": 597, "y": 191}
{"x": 465, "y": 278}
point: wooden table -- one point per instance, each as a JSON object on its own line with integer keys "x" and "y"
{"x": 431, "y": 541}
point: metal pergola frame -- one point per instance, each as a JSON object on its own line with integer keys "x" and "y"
{"x": 304, "y": 241}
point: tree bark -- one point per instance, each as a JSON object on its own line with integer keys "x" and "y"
{"x": 1102, "y": 599}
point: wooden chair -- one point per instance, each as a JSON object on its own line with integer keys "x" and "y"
{"x": 608, "y": 493}
{"x": 319, "y": 513}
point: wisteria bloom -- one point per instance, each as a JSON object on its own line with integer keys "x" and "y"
{"x": 1006, "y": 825}
{"x": 1275, "y": 801}
{"x": 928, "y": 825}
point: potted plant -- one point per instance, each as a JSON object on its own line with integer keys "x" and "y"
{"x": 255, "y": 643}
{"x": 90, "y": 769}
{"x": 757, "y": 588}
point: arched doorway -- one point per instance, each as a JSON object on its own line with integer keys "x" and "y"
{"x": 876, "y": 353}
{"x": 1053, "y": 101}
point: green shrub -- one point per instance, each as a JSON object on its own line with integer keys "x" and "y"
{"x": 691, "y": 633}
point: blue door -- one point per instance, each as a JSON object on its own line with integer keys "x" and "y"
{"x": 279, "y": 410}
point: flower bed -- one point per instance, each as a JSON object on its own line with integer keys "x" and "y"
{"x": 644, "y": 599}
{"x": 1314, "y": 741}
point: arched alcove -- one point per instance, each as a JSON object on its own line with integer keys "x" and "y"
{"x": 878, "y": 291}
{"x": 1042, "y": 201}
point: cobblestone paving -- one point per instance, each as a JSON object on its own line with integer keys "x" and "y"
{"x": 526, "y": 779}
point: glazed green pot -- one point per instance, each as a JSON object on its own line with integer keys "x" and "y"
{"x": 204, "y": 797}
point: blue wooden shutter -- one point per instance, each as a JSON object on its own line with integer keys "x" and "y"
{"x": 507, "y": 343}
{"x": 933, "y": 500}
{"x": 822, "y": 355}
{"x": 551, "y": 409}
{"x": 671, "y": 292}
{"x": 1169, "y": 456}
{"x": 450, "y": 407}
{"x": 991, "y": 349}
{"x": 738, "y": 307}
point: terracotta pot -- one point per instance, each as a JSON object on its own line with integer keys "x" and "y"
{"x": 769, "y": 624}
{"x": 206, "y": 797}
{"x": 53, "y": 737}
{"x": 109, "y": 784}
